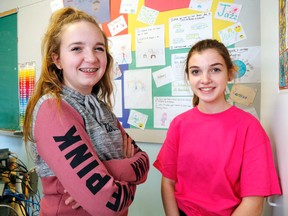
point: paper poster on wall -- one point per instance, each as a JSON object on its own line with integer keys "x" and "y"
{"x": 117, "y": 98}
{"x": 137, "y": 119}
{"x": 232, "y": 34}
{"x": 185, "y": 31}
{"x": 283, "y": 41}
{"x": 167, "y": 108}
{"x": 99, "y": 9}
{"x": 120, "y": 48}
{"x": 138, "y": 89}
{"x": 243, "y": 94}
{"x": 181, "y": 88}
{"x": 201, "y": 5}
{"x": 227, "y": 11}
{"x": 163, "y": 76}
{"x": 117, "y": 25}
{"x": 147, "y": 15}
{"x": 129, "y": 6}
{"x": 247, "y": 62}
{"x": 178, "y": 61}
{"x": 150, "y": 47}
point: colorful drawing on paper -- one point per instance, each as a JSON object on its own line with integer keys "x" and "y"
{"x": 283, "y": 58}
{"x": 100, "y": 9}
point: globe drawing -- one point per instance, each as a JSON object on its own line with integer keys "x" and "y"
{"x": 241, "y": 68}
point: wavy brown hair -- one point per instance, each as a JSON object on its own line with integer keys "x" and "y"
{"x": 220, "y": 48}
{"x": 51, "y": 78}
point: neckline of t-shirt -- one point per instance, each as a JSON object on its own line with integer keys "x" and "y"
{"x": 230, "y": 109}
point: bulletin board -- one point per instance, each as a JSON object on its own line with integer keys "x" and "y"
{"x": 9, "y": 103}
{"x": 141, "y": 31}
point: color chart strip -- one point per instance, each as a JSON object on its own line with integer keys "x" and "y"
{"x": 26, "y": 85}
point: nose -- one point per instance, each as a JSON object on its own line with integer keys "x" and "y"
{"x": 90, "y": 56}
{"x": 205, "y": 78}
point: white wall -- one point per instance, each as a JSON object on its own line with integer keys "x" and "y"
{"x": 274, "y": 104}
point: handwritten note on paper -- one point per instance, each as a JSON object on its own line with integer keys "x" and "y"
{"x": 117, "y": 106}
{"x": 232, "y": 34}
{"x": 150, "y": 47}
{"x": 247, "y": 62}
{"x": 243, "y": 94}
{"x": 147, "y": 15}
{"x": 227, "y": 11}
{"x": 138, "y": 89}
{"x": 137, "y": 119}
{"x": 129, "y": 6}
{"x": 117, "y": 25}
{"x": 185, "y": 31}
{"x": 163, "y": 76}
{"x": 167, "y": 108}
{"x": 200, "y": 5}
{"x": 120, "y": 49}
{"x": 178, "y": 61}
{"x": 181, "y": 88}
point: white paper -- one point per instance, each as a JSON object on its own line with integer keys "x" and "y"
{"x": 150, "y": 46}
{"x": 163, "y": 76}
{"x": 147, "y": 15}
{"x": 117, "y": 98}
{"x": 56, "y": 5}
{"x": 137, "y": 119}
{"x": 200, "y": 5}
{"x": 120, "y": 49}
{"x": 167, "y": 108}
{"x": 138, "y": 89}
{"x": 185, "y": 31}
{"x": 227, "y": 11}
{"x": 117, "y": 25}
{"x": 232, "y": 34}
{"x": 178, "y": 62}
{"x": 247, "y": 61}
{"x": 181, "y": 88}
{"x": 129, "y": 6}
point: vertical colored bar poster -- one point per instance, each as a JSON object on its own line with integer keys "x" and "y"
{"x": 26, "y": 73}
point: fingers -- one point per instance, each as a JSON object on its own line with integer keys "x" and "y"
{"x": 69, "y": 200}
{"x": 130, "y": 148}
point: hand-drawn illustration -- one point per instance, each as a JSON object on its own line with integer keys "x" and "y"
{"x": 92, "y": 7}
{"x": 137, "y": 119}
{"x": 232, "y": 34}
{"x": 227, "y": 11}
{"x": 150, "y": 47}
{"x": 247, "y": 61}
{"x": 138, "y": 89}
{"x": 201, "y": 5}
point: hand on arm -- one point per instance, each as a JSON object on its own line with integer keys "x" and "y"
{"x": 168, "y": 197}
{"x": 250, "y": 206}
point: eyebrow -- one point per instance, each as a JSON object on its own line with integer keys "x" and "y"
{"x": 81, "y": 43}
{"x": 212, "y": 65}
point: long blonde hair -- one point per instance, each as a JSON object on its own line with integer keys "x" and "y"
{"x": 51, "y": 77}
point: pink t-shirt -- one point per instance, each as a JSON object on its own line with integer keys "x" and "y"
{"x": 216, "y": 159}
